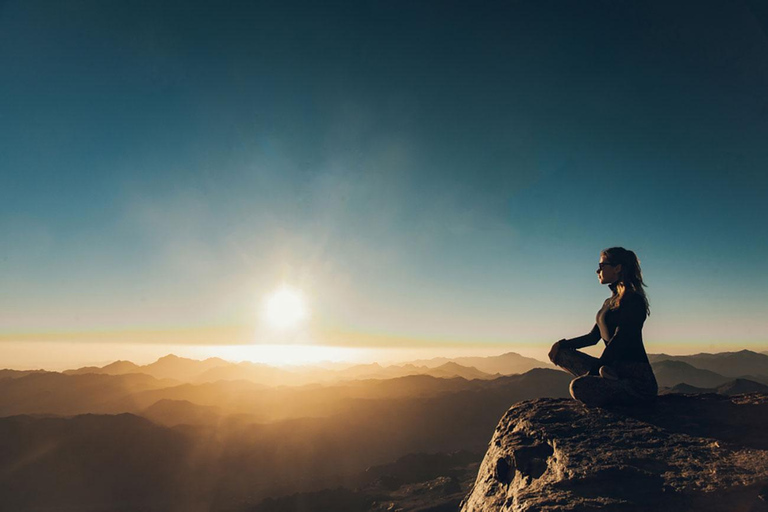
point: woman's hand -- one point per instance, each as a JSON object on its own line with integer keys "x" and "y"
{"x": 555, "y": 350}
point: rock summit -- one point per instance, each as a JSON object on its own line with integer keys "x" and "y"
{"x": 684, "y": 452}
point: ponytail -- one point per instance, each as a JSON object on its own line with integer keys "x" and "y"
{"x": 631, "y": 277}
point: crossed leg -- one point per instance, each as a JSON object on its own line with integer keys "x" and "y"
{"x": 592, "y": 389}
{"x": 577, "y": 363}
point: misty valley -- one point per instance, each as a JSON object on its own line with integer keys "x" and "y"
{"x": 187, "y": 435}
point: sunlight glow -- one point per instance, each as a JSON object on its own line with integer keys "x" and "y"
{"x": 288, "y": 354}
{"x": 285, "y": 309}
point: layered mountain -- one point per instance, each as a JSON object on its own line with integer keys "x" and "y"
{"x": 733, "y": 387}
{"x": 670, "y": 373}
{"x": 56, "y": 393}
{"x": 167, "y": 367}
{"x": 728, "y": 364}
{"x": 116, "y": 368}
{"x": 15, "y": 374}
{"x": 196, "y": 456}
{"x": 215, "y": 369}
{"x": 505, "y": 364}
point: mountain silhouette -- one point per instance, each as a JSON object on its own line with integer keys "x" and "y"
{"x": 728, "y": 364}
{"x": 505, "y": 364}
{"x": 56, "y": 393}
{"x": 116, "y": 368}
{"x": 210, "y": 461}
{"x": 733, "y": 387}
{"x": 670, "y": 373}
{"x": 215, "y": 369}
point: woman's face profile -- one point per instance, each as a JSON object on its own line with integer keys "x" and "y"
{"x": 606, "y": 272}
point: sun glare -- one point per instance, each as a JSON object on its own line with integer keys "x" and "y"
{"x": 285, "y": 309}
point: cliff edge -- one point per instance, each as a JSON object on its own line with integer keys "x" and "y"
{"x": 685, "y": 452}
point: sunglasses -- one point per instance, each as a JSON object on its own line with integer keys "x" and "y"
{"x": 603, "y": 264}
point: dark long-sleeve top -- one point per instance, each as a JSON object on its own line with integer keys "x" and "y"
{"x": 621, "y": 329}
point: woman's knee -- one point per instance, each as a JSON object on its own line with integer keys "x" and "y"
{"x": 553, "y": 353}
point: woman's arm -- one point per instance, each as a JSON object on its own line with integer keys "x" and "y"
{"x": 589, "y": 339}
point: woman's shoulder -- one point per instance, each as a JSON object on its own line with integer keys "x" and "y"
{"x": 633, "y": 300}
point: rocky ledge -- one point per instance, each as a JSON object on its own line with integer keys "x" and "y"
{"x": 683, "y": 453}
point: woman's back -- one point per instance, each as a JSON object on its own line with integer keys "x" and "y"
{"x": 622, "y": 329}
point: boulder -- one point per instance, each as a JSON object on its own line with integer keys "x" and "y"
{"x": 683, "y": 452}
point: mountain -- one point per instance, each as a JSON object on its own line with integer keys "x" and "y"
{"x": 167, "y": 367}
{"x": 56, "y": 393}
{"x": 271, "y": 376}
{"x": 451, "y": 370}
{"x": 264, "y": 404}
{"x": 15, "y": 374}
{"x": 729, "y": 364}
{"x": 686, "y": 389}
{"x": 730, "y": 388}
{"x": 416, "y": 482}
{"x": 254, "y": 372}
{"x": 131, "y": 464}
{"x": 90, "y": 462}
{"x": 669, "y": 373}
{"x": 740, "y": 386}
{"x": 214, "y": 369}
{"x": 181, "y": 368}
{"x": 116, "y": 368}
{"x": 762, "y": 379}
{"x": 178, "y": 412}
{"x": 505, "y": 364}
{"x": 554, "y": 454}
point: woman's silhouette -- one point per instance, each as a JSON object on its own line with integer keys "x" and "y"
{"x": 622, "y": 374}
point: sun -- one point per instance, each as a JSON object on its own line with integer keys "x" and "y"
{"x": 285, "y": 309}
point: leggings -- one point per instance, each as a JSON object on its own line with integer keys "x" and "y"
{"x": 635, "y": 383}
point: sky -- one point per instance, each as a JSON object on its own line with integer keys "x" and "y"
{"x": 427, "y": 175}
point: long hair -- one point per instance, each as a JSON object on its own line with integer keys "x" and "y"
{"x": 631, "y": 277}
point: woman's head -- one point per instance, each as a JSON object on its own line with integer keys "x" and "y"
{"x": 621, "y": 267}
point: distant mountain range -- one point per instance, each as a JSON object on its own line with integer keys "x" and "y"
{"x": 733, "y": 387}
{"x": 178, "y": 433}
{"x": 168, "y": 367}
{"x": 699, "y": 370}
{"x": 215, "y": 369}
{"x": 14, "y": 374}
{"x": 180, "y": 379}
{"x": 671, "y": 373}
{"x": 729, "y": 364}
{"x": 202, "y": 455}
{"x": 71, "y": 394}
{"x": 505, "y": 364}
{"x": 711, "y": 373}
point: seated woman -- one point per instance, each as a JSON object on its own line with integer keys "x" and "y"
{"x": 622, "y": 374}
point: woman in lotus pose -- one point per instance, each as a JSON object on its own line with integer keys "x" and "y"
{"x": 622, "y": 374}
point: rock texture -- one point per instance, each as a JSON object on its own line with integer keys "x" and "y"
{"x": 685, "y": 452}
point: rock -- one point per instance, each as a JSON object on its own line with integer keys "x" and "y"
{"x": 684, "y": 452}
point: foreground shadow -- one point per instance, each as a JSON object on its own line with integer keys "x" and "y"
{"x": 739, "y": 419}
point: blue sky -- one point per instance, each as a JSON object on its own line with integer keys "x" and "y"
{"x": 435, "y": 174}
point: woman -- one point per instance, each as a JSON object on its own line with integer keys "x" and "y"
{"x": 622, "y": 374}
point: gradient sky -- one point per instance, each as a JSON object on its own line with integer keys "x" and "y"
{"x": 428, "y": 173}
